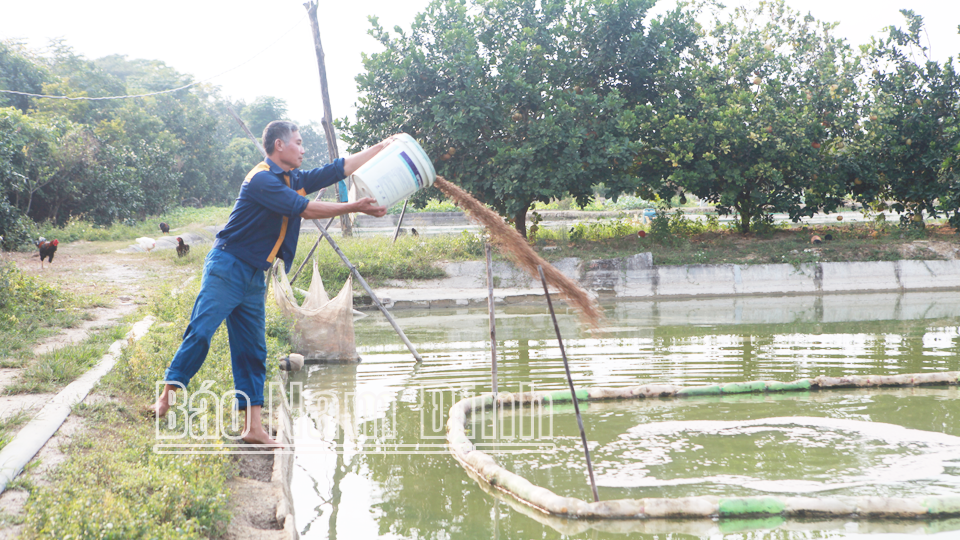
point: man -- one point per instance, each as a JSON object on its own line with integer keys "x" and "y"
{"x": 264, "y": 225}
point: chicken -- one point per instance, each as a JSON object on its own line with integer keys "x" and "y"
{"x": 414, "y": 232}
{"x": 46, "y": 250}
{"x": 164, "y": 228}
{"x": 145, "y": 243}
{"x": 182, "y": 249}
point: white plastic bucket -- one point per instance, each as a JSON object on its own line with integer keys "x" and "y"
{"x": 394, "y": 174}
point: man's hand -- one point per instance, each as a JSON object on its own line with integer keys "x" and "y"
{"x": 324, "y": 210}
{"x": 353, "y": 162}
{"x": 368, "y": 206}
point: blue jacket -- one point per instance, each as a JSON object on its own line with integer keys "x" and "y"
{"x": 265, "y": 199}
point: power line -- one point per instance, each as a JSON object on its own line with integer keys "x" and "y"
{"x": 184, "y": 87}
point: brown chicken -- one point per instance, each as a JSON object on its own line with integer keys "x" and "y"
{"x": 47, "y": 249}
{"x": 182, "y": 249}
{"x": 164, "y": 228}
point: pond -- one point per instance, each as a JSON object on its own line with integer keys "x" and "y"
{"x": 372, "y": 461}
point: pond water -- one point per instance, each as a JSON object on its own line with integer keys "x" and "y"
{"x": 371, "y": 459}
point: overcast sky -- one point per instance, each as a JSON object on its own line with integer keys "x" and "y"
{"x": 271, "y": 42}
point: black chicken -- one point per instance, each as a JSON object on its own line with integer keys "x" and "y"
{"x": 46, "y": 250}
{"x": 164, "y": 228}
{"x": 182, "y": 249}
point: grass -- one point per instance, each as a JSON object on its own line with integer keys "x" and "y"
{"x": 680, "y": 241}
{"x": 52, "y": 371}
{"x": 379, "y": 259}
{"x": 113, "y": 485}
{"x": 183, "y": 217}
{"x": 31, "y": 310}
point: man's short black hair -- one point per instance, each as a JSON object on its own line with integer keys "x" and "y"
{"x": 278, "y": 129}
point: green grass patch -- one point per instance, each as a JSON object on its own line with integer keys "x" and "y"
{"x": 52, "y": 371}
{"x": 678, "y": 240}
{"x": 113, "y": 485}
{"x": 77, "y": 229}
{"x": 433, "y": 205}
{"x": 30, "y": 310}
{"x": 378, "y": 258}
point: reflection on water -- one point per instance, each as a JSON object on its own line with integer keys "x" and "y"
{"x": 386, "y": 416}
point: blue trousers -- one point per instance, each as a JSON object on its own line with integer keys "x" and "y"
{"x": 233, "y": 290}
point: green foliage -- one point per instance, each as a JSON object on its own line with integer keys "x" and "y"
{"x": 19, "y": 71}
{"x": 913, "y": 130}
{"x": 114, "y": 161}
{"x": 622, "y": 203}
{"x": 603, "y": 229}
{"x": 262, "y": 111}
{"x": 14, "y": 226}
{"x": 759, "y": 117}
{"x": 521, "y": 101}
{"x": 431, "y": 205}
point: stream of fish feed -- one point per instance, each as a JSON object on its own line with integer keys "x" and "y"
{"x": 371, "y": 459}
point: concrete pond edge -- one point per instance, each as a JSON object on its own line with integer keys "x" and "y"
{"x": 485, "y": 467}
{"x": 637, "y": 278}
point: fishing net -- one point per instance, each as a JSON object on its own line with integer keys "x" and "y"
{"x": 322, "y": 328}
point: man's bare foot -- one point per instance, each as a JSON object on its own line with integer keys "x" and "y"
{"x": 162, "y": 405}
{"x": 260, "y": 436}
{"x": 158, "y": 409}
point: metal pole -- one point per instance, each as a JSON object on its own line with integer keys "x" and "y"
{"x": 313, "y": 249}
{"x": 356, "y": 274}
{"x": 493, "y": 342}
{"x": 493, "y": 325}
{"x": 573, "y": 392}
{"x": 399, "y": 221}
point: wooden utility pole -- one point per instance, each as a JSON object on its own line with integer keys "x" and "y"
{"x": 327, "y": 121}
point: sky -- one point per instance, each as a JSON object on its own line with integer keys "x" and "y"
{"x": 265, "y": 47}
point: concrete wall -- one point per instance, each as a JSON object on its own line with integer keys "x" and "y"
{"x": 638, "y": 277}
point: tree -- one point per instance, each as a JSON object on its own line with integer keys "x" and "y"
{"x": 315, "y": 145}
{"x": 21, "y": 72}
{"x": 761, "y": 125}
{"x": 26, "y": 156}
{"x": 912, "y": 133}
{"x": 520, "y": 101}
{"x": 262, "y": 111}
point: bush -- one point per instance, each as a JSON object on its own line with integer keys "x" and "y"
{"x": 603, "y": 229}
{"x": 13, "y": 227}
